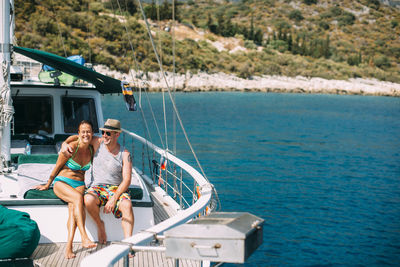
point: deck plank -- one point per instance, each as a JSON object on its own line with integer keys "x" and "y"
{"x": 52, "y": 255}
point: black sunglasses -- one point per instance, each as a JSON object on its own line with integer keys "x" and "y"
{"x": 107, "y": 133}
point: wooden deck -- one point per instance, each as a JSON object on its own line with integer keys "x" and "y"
{"x": 50, "y": 255}
{"x": 53, "y": 255}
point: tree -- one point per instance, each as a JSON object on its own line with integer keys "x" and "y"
{"x": 229, "y": 29}
{"x": 326, "y": 50}
{"x": 251, "y": 34}
{"x": 166, "y": 11}
{"x": 221, "y": 25}
{"x": 151, "y": 11}
{"x": 130, "y": 6}
{"x": 211, "y": 25}
{"x": 194, "y": 20}
{"x": 290, "y": 42}
{"x": 258, "y": 37}
{"x": 375, "y": 4}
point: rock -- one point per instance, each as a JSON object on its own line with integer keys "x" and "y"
{"x": 202, "y": 81}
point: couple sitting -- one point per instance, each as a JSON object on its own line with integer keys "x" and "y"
{"x": 111, "y": 176}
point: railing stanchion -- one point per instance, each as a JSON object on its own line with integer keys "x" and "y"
{"x": 143, "y": 159}
{"x": 126, "y": 261}
{"x": 175, "y": 185}
{"x": 181, "y": 191}
{"x": 166, "y": 179}
{"x": 133, "y": 151}
{"x": 123, "y": 139}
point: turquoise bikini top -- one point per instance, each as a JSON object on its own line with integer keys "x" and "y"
{"x": 75, "y": 166}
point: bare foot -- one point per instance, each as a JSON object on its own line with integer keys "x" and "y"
{"x": 101, "y": 233}
{"x": 87, "y": 243}
{"x": 69, "y": 254}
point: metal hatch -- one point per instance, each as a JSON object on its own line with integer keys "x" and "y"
{"x": 219, "y": 237}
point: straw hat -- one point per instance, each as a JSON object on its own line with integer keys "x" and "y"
{"x": 112, "y": 125}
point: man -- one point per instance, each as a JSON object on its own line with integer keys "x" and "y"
{"x": 111, "y": 177}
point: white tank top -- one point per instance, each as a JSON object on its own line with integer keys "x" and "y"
{"x": 107, "y": 168}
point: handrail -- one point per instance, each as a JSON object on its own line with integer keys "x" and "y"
{"x": 110, "y": 255}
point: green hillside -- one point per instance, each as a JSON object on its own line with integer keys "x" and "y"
{"x": 337, "y": 39}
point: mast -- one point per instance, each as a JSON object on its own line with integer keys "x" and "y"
{"x": 6, "y": 108}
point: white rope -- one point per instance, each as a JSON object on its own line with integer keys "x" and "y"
{"x": 6, "y": 108}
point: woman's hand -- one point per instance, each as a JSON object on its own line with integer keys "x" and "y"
{"x": 42, "y": 187}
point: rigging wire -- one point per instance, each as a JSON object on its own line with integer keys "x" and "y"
{"x": 169, "y": 92}
{"x": 161, "y": 60}
{"x": 59, "y": 29}
{"x": 173, "y": 75}
{"x": 176, "y": 114}
{"x": 137, "y": 70}
{"x": 89, "y": 34}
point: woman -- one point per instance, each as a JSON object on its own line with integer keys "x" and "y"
{"x": 68, "y": 176}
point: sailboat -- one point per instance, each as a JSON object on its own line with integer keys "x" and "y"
{"x": 175, "y": 220}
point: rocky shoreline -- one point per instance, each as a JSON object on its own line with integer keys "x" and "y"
{"x": 204, "y": 82}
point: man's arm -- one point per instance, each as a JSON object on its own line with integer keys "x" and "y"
{"x": 67, "y": 150}
{"x": 126, "y": 181}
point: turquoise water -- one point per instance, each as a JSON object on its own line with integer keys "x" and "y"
{"x": 322, "y": 170}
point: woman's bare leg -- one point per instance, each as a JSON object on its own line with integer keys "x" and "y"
{"x": 71, "y": 226}
{"x": 75, "y": 197}
{"x": 92, "y": 203}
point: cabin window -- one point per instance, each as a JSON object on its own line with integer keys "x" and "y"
{"x": 77, "y": 109}
{"x": 33, "y": 115}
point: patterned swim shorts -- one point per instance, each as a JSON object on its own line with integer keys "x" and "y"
{"x": 104, "y": 192}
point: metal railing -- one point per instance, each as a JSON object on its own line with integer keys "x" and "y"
{"x": 182, "y": 176}
{"x": 172, "y": 178}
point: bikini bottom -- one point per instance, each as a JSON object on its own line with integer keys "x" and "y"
{"x": 73, "y": 183}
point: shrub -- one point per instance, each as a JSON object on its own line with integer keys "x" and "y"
{"x": 279, "y": 45}
{"x": 335, "y": 11}
{"x": 382, "y": 62}
{"x": 96, "y": 7}
{"x": 353, "y": 60}
{"x": 310, "y": 2}
{"x": 324, "y": 25}
{"x": 44, "y": 25}
{"x": 246, "y": 70}
{"x": 296, "y": 15}
{"x": 346, "y": 18}
{"x": 249, "y": 44}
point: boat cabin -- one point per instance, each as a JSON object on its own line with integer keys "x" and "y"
{"x": 46, "y": 115}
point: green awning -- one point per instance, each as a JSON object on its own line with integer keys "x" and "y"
{"x": 104, "y": 84}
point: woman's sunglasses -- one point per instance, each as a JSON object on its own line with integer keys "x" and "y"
{"x": 107, "y": 133}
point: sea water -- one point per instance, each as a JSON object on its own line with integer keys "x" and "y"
{"x": 323, "y": 171}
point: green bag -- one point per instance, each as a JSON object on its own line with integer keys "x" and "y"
{"x": 19, "y": 235}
